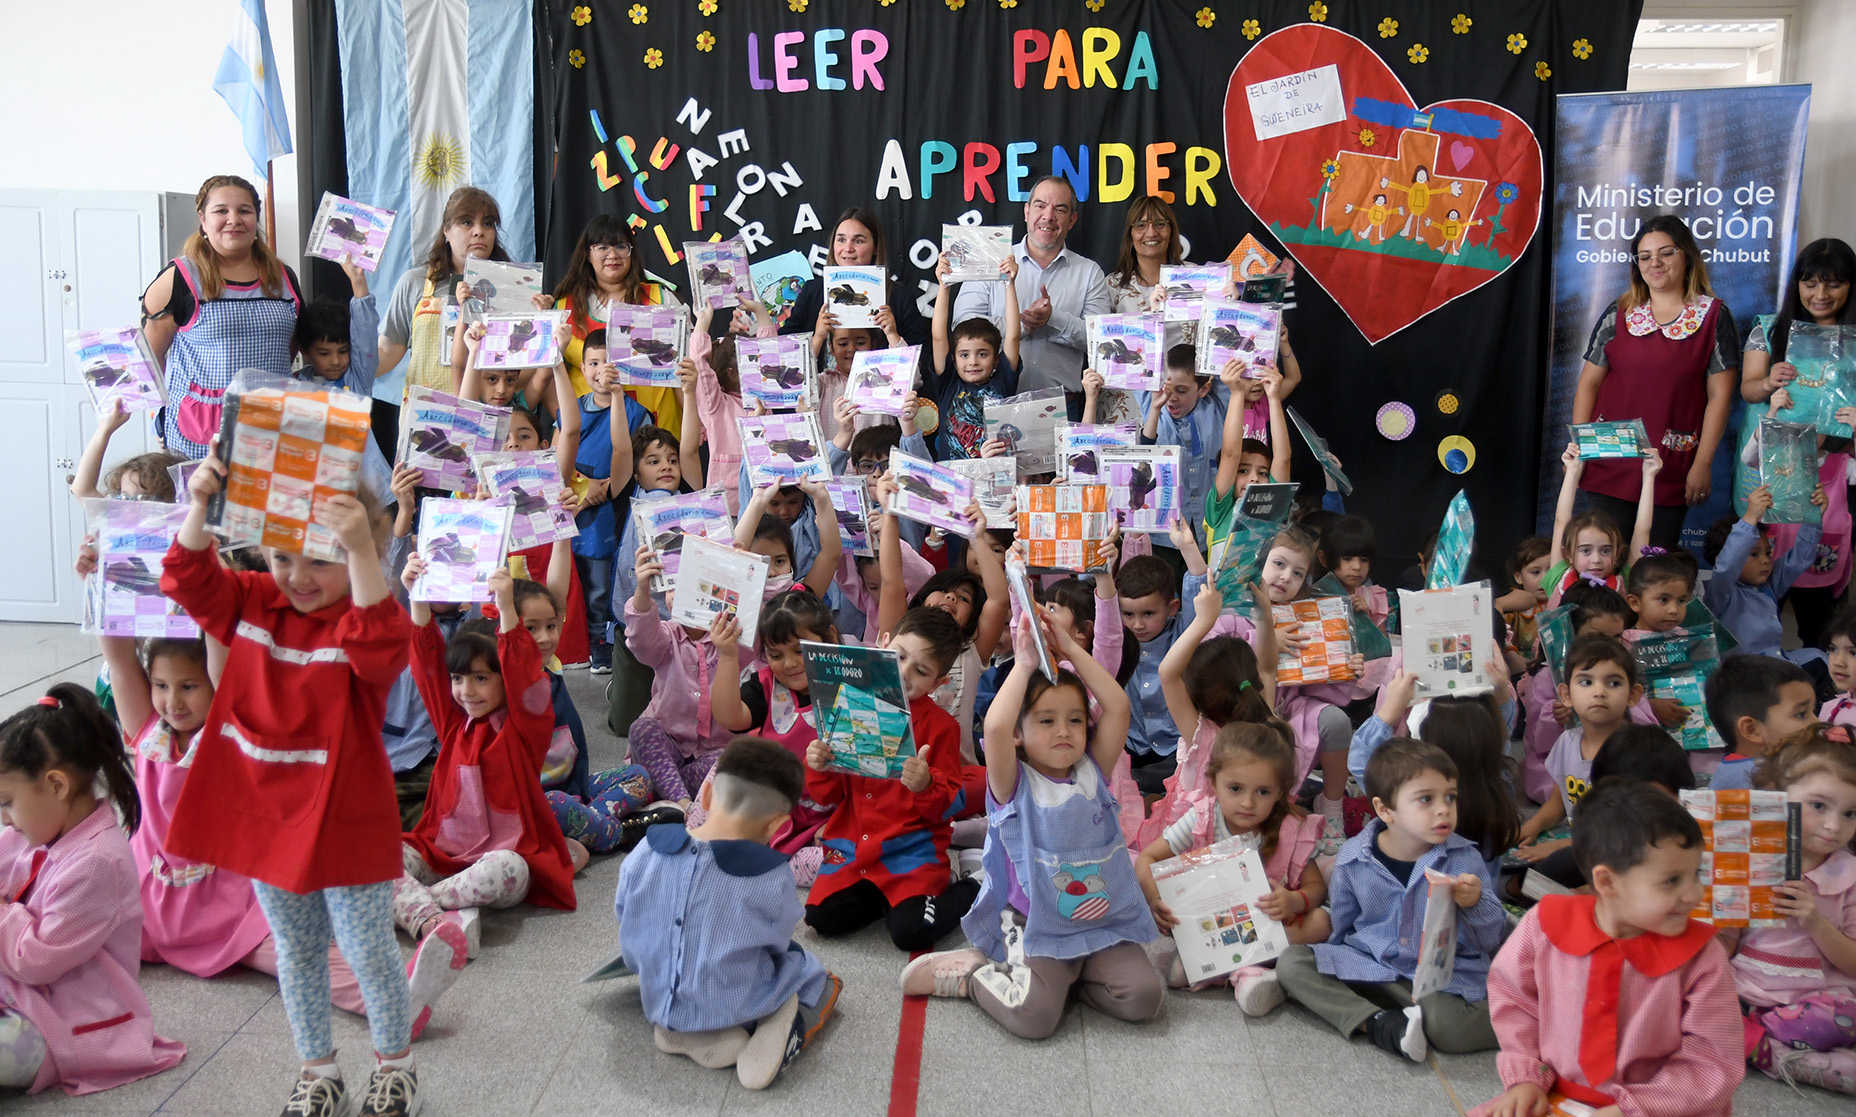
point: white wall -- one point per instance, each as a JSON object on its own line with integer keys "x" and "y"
{"x": 1823, "y": 44}
{"x": 140, "y": 113}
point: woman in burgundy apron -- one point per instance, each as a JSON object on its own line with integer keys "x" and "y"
{"x": 1666, "y": 353}
{"x": 224, "y": 304}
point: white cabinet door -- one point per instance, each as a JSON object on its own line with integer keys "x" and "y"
{"x": 75, "y": 259}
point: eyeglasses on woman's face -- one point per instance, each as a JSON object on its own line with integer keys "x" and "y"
{"x": 619, "y": 250}
{"x": 1158, "y": 224}
{"x": 1664, "y": 254}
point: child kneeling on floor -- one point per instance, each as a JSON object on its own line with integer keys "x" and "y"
{"x": 1360, "y": 979}
{"x": 1618, "y": 1000}
{"x": 1061, "y": 907}
{"x": 706, "y": 918}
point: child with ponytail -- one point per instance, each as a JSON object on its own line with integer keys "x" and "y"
{"x": 71, "y": 1013}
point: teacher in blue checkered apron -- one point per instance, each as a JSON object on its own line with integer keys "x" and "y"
{"x": 226, "y": 303}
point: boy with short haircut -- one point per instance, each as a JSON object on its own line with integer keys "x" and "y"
{"x": 706, "y": 918}
{"x": 1360, "y": 979}
{"x": 599, "y": 460}
{"x": 1243, "y": 462}
{"x": 1754, "y": 702}
{"x": 1153, "y": 611}
{"x": 1618, "y": 999}
{"x": 1189, "y": 413}
{"x": 339, "y": 345}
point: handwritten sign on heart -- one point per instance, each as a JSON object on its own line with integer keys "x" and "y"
{"x": 1394, "y": 209}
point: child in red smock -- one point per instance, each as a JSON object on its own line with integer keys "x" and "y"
{"x": 290, "y": 784}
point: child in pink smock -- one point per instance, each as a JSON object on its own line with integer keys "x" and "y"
{"x": 1618, "y": 998}
{"x": 1246, "y": 793}
{"x": 1800, "y": 978}
{"x": 71, "y": 1013}
{"x": 718, "y": 397}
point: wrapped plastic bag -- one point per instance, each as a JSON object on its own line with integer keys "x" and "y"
{"x": 286, "y": 447}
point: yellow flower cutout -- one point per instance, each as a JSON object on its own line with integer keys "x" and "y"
{"x": 1252, "y": 29}
{"x": 1008, "y": 3}
{"x": 797, "y": 5}
{"x": 582, "y": 15}
{"x": 639, "y": 13}
{"x": 1206, "y": 17}
{"x": 1366, "y": 137}
{"x": 1094, "y": 5}
{"x": 1461, "y": 24}
{"x": 956, "y": 5}
{"x": 1388, "y": 27}
{"x": 576, "y": 59}
{"x": 1318, "y": 12}
{"x": 1329, "y": 169}
{"x": 1517, "y": 43}
{"x": 886, "y": 3}
{"x": 1542, "y": 71}
{"x": 1418, "y": 52}
{"x": 705, "y": 42}
{"x": 654, "y": 58}
{"x": 706, "y": 7}
{"x": 1582, "y": 48}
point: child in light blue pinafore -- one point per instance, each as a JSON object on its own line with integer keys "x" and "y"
{"x": 1060, "y": 906}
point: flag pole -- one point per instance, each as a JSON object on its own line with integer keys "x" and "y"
{"x": 270, "y": 209}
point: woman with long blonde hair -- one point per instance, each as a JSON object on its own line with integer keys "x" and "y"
{"x": 226, "y": 303}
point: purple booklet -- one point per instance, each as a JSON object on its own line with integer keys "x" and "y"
{"x": 931, "y": 494}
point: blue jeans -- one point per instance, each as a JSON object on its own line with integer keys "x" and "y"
{"x": 596, "y": 585}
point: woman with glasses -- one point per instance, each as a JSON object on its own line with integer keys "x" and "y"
{"x": 605, "y": 270}
{"x": 1149, "y": 240}
{"x": 1666, "y": 352}
{"x": 413, "y": 325}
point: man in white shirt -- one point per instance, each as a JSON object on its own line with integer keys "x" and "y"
{"x": 1057, "y": 291}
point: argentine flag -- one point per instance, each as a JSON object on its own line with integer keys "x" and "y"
{"x": 438, "y": 94}
{"x": 247, "y": 79}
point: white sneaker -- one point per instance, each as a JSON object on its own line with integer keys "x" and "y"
{"x": 941, "y": 974}
{"x": 1259, "y": 993}
{"x": 471, "y": 920}
{"x": 434, "y": 968}
{"x": 972, "y": 865}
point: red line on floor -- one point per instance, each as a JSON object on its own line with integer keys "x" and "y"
{"x": 905, "y": 1078}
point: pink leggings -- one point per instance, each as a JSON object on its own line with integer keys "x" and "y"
{"x": 344, "y": 989}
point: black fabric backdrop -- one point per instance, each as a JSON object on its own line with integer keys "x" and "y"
{"x": 949, "y": 76}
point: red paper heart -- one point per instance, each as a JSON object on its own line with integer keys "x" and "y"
{"x": 1317, "y": 185}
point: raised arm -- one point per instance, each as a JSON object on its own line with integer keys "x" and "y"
{"x": 1569, "y": 495}
{"x": 943, "y": 311}
{"x": 128, "y": 683}
{"x": 892, "y": 594}
{"x": 90, "y": 466}
{"x": 1110, "y": 736}
{"x": 689, "y": 439}
{"x": 1001, "y": 727}
{"x": 467, "y": 378}
{"x": 618, "y": 421}
{"x": 997, "y": 612}
{"x": 1276, "y": 388}
{"x": 1012, "y": 329}
{"x": 830, "y": 544}
{"x": 725, "y": 698}
{"x": 1231, "y": 447}
{"x": 1646, "y": 506}
{"x": 1179, "y": 705}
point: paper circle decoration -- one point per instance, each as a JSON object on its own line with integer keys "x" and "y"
{"x": 1458, "y": 454}
{"x": 927, "y": 418}
{"x": 1448, "y": 402}
{"x": 1396, "y": 421}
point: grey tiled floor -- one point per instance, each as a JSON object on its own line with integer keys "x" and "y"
{"x": 519, "y": 1035}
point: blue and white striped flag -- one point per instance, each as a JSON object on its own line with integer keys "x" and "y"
{"x": 247, "y": 79}
{"x": 438, "y": 94}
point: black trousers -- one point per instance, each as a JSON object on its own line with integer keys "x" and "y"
{"x": 917, "y": 923}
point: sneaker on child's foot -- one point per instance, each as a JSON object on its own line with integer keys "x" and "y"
{"x": 712, "y": 1049}
{"x": 435, "y": 967}
{"x": 764, "y": 1053}
{"x": 633, "y": 826}
{"x": 941, "y": 974}
{"x": 600, "y": 666}
{"x": 1401, "y": 1033}
{"x": 391, "y": 1092}
{"x": 471, "y": 920}
{"x": 1258, "y": 991}
{"x": 972, "y": 864}
{"x": 315, "y": 1096}
{"x": 581, "y": 666}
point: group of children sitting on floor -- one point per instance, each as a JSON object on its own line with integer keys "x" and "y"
{"x": 262, "y": 819}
